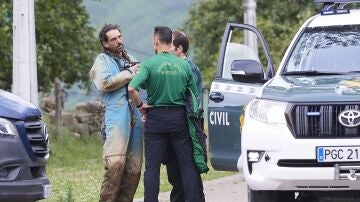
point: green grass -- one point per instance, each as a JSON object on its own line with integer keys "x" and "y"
{"x": 75, "y": 169}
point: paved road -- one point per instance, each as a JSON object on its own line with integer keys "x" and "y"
{"x": 233, "y": 188}
{"x": 226, "y": 189}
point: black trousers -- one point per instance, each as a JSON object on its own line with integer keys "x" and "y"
{"x": 174, "y": 177}
{"x": 168, "y": 126}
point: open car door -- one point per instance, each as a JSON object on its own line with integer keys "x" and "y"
{"x": 241, "y": 71}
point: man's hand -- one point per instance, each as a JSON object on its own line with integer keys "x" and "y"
{"x": 134, "y": 68}
{"x": 144, "y": 109}
{"x": 134, "y": 95}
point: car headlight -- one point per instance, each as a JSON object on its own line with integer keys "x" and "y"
{"x": 7, "y": 128}
{"x": 270, "y": 112}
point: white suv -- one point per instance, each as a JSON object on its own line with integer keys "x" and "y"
{"x": 297, "y": 132}
{"x": 301, "y": 134}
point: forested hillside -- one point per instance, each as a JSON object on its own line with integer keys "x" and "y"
{"x": 137, "y": 19}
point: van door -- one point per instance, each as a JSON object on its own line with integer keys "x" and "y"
{"x": 228, "y": 95}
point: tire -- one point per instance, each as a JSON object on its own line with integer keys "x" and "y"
{"x": 270, "y": 196}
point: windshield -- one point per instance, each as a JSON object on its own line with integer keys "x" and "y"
{"x": 327, "y": 49}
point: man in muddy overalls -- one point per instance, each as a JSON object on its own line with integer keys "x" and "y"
{"x": 122, "y": 150}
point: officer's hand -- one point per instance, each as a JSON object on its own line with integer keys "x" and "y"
{"x": 144, "y": 108}
{"x": 143, "y": 118}
{"x": 134, "y": 68}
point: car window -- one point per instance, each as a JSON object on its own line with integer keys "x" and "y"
{"x": 242, "y": 45}
{"x": 235, "y": 51}
{"x": 327, "y": 49}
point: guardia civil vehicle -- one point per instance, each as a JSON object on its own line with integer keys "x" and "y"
{"x": 297, "y": 130}
{"x": 24, "y": 151}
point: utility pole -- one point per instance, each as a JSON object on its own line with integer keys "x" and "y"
{"x": 250, "y": 18}
{"x": 58, "y": 105}
{"x": 24, "y": 51}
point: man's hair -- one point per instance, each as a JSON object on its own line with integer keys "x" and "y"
{"x": 180, "y": 39}
{"x": 104, "y": 30}
{"x": 164, "y": 34}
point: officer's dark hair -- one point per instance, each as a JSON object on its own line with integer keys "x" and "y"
{"x": 180, "y": 39}
{"x": 164, "y": 34}
{"x": 102, "y": 34}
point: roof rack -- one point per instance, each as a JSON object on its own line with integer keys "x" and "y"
{"x": 332, "y": 7}
{"x": 336, "y": 1}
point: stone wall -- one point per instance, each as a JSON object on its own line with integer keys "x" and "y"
{"x": 86, "y": 119}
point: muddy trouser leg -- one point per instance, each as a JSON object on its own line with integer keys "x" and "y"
{"x": 117, "y": 129}
{"x": 132, "y": 172}
{"x": 114, "y": 167}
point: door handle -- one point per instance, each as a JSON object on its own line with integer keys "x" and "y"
{"x": 216, "y": 97}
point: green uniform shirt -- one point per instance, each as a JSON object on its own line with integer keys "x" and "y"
{"x": 166, "y": 78}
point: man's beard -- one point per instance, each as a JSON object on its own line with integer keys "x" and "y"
{"x": 116, "y": 50}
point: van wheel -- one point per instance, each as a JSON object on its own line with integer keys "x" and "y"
{"x": 270, "y": 196}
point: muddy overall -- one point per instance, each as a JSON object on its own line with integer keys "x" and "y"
{"x": 122, "y": 149}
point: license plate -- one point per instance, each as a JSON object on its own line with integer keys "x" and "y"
{"x": 338, "y": 154}
{"x": 47, "y": 190}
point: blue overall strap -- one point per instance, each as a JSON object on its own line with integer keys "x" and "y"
{"x": 131, "y": 109}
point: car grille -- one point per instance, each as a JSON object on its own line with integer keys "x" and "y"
{"x": 321, "y": 121}
{"x": 38, "y": 137}
{"x": 311, "y": 163}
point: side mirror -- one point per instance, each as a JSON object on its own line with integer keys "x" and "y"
{"x": 247, "y": 71}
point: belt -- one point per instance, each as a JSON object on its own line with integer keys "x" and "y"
{"x": 168, "y": 108}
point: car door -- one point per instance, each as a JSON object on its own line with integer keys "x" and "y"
{"x": 228, "y": 95}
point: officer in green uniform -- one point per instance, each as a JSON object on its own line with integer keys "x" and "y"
{"x": 166, "y": 78}
{"x": 179, "y": 47}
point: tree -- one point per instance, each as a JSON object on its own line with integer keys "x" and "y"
{"x": 277, "y": 20}
{"x": 5, "y": 45}
{"x": 66, "y": 44}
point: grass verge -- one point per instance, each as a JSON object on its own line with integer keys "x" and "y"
{"x": 75, "y": 169}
